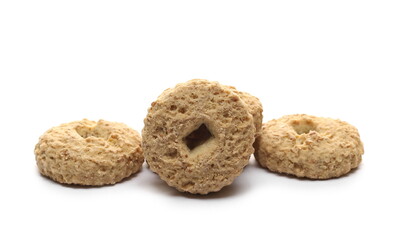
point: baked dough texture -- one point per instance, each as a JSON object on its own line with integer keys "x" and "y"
{"x": 254, "y": 106}
{"x": 89, "y": 153}
{"x": 309, "y": 146}
{"x": 198, "y": 136}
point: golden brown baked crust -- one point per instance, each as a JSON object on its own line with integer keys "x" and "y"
{"x": 89, "y": 153}
{"x": 198, "y": 136}
{"x": 254, "y": 106}
{"x": 309, "y": 146}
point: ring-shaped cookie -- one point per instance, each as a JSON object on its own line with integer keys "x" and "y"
{"x": 198, "y": 136}
{"x": 309, "y": 146}
{"x": 89, "y": 153}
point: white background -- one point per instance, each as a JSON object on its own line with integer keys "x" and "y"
{"x": 62, "y": 61}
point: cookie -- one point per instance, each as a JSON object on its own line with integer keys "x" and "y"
{"x": 198, "y": 136}
{"x": 89, "y": 153}
{"x": 254, "y": 107}
{"x": 309, "y": 146}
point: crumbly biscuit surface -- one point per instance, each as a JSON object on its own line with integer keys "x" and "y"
{"x": 198, "y": 136}
{"x": 254, "y": 106}
{"x": 309, "y": 146}
{"x": 89, "y": 153}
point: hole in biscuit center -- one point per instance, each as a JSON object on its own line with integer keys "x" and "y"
{"x": 198, "y": 137}
{"x": 303, "y": 126}
{"x": 91, "y": 132}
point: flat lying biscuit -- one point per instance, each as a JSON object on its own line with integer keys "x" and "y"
{"x": 89, "y": 153}
{"x": 308, "y": 146}
{"x": 198, "y": 136}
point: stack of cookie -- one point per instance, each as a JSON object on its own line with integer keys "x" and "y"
{"x": 198, "y": 137}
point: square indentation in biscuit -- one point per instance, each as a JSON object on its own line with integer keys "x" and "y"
{"x": 198, "y": 137}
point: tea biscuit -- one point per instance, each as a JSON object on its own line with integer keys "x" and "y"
{"x": 254, "y": 106}
{"x": 89, "y": 153}
{"x": 308, "y": 146}
{"x": 198, "y": 136}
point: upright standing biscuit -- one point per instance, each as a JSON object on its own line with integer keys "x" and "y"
{"x": 198, "y": 136}
{"x": 254, "y": 107}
